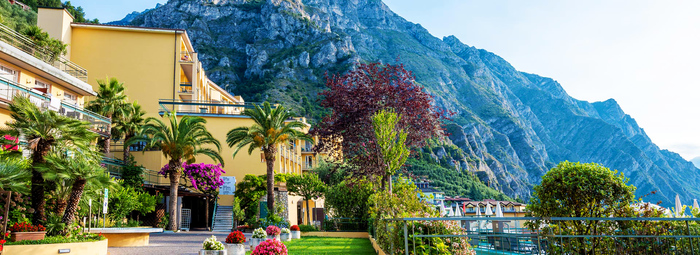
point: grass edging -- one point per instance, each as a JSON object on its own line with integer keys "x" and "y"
{"x": 376, "y": 247}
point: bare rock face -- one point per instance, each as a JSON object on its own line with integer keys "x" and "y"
{"x": 511, "y": 126}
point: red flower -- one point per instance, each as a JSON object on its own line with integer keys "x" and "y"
{"x": 235, "y": 237}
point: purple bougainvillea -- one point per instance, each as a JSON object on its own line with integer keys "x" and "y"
{"x": 204, "y": 177}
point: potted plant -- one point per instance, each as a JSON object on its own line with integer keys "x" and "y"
{"x": 212, "y": 247}
{"x": 296, "y": 233}
{"x": 273, "y": 232}
{"x": 270, "y": 247}
{"x": 235, "y": 243}
{"x": 285, "y": 235}
{"x": 257, "y": 238}
{"x": 26, "y": 231}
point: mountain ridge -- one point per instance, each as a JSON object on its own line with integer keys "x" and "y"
{"x": 512, "y": 126}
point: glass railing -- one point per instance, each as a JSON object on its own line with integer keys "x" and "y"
{"x": 187, "y": 56}
{"x": 204, "y": 108}
{"x": 98, "y": 123}
{"x": 26, "y": 45}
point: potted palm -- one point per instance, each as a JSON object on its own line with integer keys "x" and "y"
{"x": 273, "y": 232}
{"x": 26, "y": 231}
{"x": 212, "y": 247}
{"x": 285, "y": 235}
{"x": 296, "y": 233}
{"x": 235, "y": 243}
{"x": 257, "y": 238}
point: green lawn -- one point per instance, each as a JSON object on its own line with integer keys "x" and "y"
{"x": 329, "y": 245}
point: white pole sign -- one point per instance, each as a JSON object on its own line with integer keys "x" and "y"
{"x": 104, "y": 201}
{"x": 229, "y": 186}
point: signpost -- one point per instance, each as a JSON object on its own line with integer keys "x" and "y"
{"x": 89, "y": 214}
{"x": 105, "y": 201}
{"x": 229, "y": 187}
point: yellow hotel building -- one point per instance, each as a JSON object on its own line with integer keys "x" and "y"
{"x": 51, "y": 82}
{"x": 161, "y": 71}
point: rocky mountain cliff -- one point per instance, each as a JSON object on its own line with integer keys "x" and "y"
{"x": 512, "y": 126}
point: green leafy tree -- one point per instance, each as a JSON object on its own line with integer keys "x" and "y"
{"x": 129, "y": 125}
{"x": 41, "y": 39}
{"x": 111, "y": 101}
{"x": 580, "y": 190}
{"x": 250, "y": 190}
{"x": 349, "y": 199}
{"x": 272, "y": 127}
{"x": 181, "y": 140}
{"x": 78, "y": 167}
{"x": 43, "y": 130}
{"x": 238, "y": 212}
{"x": 307, "y": 186}
{"x": 391, "y": 143}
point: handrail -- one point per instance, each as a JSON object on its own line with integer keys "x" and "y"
{"x": 26, "y": 45}
{"x": 213, "y": 217}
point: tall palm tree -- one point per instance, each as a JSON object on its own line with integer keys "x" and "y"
{"x": 180, "y": 141}
{"x": 111, "y": 101}
{"x": 78, "y": 167}
{"x": 129, "y": 126}
{"x": 271, "y": 128}
{"x": 43, "y": 129}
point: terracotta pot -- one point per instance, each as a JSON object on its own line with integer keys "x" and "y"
{"x": 19, "y": 236}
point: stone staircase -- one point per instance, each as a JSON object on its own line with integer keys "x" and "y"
{"x": 223, "y": 220}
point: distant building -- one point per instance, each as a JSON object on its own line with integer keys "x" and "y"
{"x": 20, "y": 4}
{"x": 434, "y": 196}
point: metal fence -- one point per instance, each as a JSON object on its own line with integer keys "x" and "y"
{"x": 532, "y": 235}
{"x": 26, "y": 45}
{"x": 344, "y": 225}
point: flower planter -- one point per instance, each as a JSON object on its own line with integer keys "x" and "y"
{"x": 273, "y": 237}
{"x": 254, "y": 242}
{"x": 284, "y": 237}
{"x": 19, "y": 236}
{"x": 212, "y": 252}
{"x": 235, "y": 249}
{"x": 296, "y": 234}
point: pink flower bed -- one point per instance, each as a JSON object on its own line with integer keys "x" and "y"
{"x": 272, "y": 230}
{"x": 270, "y": 247}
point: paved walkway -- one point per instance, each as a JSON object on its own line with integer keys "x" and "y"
{"x": 172, "y": 244}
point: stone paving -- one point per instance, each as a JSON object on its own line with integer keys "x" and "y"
{"x": 172, "y": 243}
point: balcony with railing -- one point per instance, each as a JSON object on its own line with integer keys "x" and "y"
{"x": 187, "y": 56}
{"x": 98, "y": 123}
{"x": 186, "y": 88}
{"x": 204, "y": 108}
{"x": 26, "y": 45}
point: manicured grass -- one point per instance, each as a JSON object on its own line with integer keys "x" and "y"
{"x": 329, "y": 245}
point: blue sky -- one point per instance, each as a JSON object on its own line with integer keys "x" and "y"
{"x": 644, "y": 53}
{"x": 111, "y": 10}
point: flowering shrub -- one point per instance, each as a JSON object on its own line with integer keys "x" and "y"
{"x": 259, "y": 233}
{"x": 235, "y": 237}
{"x": 285, "y": 231}
{"x": 26, "y": 227}
{"x": 294, "y": 228}
{"x": 212, "y": 244}
{"x": 272, "y": 230}
{"x": 270, "y": 247}
{"x": 204, "y": 177}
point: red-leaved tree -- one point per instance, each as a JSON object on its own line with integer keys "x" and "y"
{"x": 360, "y": 93}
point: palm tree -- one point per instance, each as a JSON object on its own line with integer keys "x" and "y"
{"x": 111, "y": 102}
{"x": 129, "y": 126}
{"x": 271, "y": 128}
{"x": 79, "y": 168}
{"x": 13, "y": 173}
{"x": 42, "y": 130}
{"x": 180, "y": 141}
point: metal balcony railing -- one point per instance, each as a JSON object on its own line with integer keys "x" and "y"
{"x": 204, "y": 108}
{"x": 26, "y": 45}
{"x": 186, "y": 88}
{"x": 187, "y": 56}
{"x": 98, "y": 123}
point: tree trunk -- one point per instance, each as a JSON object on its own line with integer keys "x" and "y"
{"x": 206, "y": 212}
{"x": 388, "y": 180}
{"x": 174, "y": 173}
{"x": 127, "y": 150}
{"x": 37, "y": 191}
{"x": 72, "y": 207}
{"x": 308, "y": 213}
{"x": 270, "y": 162}
{"x": 61, "y": 206}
